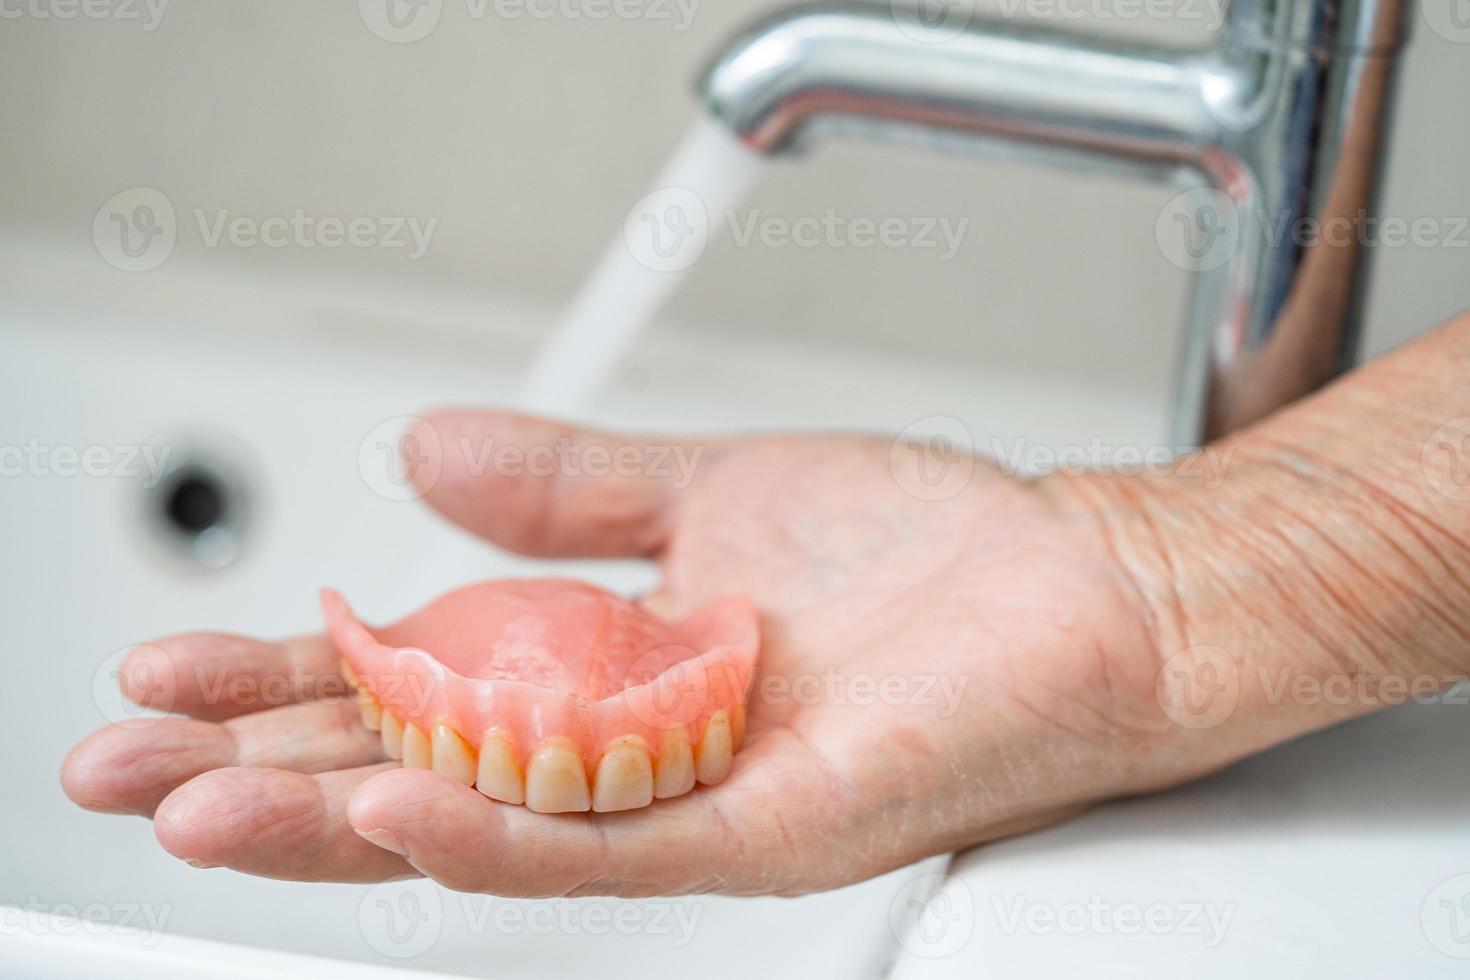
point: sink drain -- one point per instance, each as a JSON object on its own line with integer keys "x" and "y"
{"x": 199, "y": 508}
{"x": 197, "y": 503}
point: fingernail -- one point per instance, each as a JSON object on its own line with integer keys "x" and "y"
{"x": 384, "y": 840}
{"x": 196, "y": 863}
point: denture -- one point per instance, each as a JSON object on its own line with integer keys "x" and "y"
{"x": 555, "y": 694}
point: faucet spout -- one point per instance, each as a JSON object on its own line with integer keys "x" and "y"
{"x": 1275, "y": 126}
{"x": 861, "y": 68}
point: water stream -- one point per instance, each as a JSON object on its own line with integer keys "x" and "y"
{"x": 663, "y": 237}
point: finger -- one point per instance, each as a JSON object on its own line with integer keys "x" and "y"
{"x": 542, "y": 488}
{"x": 748, "y": 835}
{"x": 220, "y": 675}
{"x": 131, "y": 767}
{"x": 275, "y": 824}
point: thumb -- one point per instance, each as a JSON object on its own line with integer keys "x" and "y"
{"x": 752, "y": 834}
{"x": 543, "y": 488}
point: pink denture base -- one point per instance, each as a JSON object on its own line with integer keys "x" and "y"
{"x": 538, "y": 659}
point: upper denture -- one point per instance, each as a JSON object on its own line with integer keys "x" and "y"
{"x": 554, "y": 693}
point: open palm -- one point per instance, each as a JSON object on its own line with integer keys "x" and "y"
{"x": 950, "y": 655}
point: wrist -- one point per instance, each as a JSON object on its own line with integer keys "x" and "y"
{"x": 1326, "y": 575}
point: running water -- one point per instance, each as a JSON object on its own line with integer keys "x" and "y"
{"x": 664, "y": 235}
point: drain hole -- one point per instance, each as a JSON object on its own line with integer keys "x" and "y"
{"x": 196, "y": 502}
{"x": 201, "y": 512}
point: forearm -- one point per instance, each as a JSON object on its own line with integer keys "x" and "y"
{"x": 1330, "y": 565}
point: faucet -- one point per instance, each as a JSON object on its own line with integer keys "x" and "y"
{"x": 1273, "y": 133}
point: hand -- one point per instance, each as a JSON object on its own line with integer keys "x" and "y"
{"x": 935, "y": 673}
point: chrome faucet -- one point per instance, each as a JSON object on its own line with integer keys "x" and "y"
{"x": 1277, "y": 127}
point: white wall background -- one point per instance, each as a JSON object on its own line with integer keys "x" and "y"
{"x": 529, "y": 139}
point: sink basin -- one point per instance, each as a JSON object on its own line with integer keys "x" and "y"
{"x": 276, "y": 387}
{"x": 1335, "y": 853}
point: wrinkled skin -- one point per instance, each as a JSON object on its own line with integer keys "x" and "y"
{"x": 1019, "y": 656}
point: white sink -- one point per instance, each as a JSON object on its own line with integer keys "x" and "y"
{"x": 1330, "y": 851}
{"x": 282, "y": 383}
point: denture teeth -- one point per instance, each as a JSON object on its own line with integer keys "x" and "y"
{"x": 367, "y": 706}
{"x": 418, "y": 753}
{"x": 628, "y": 775}
{"x": 624, "y": 779}
{"x": 714, "y": 754}
{"x": 559, "y": 724}
{"x": 392, "y": 733}
{"x": 673, "y": 770}
{"x": 453, "y": 755}
{"x": 499, "y": 776}
{"x": 556, "y": 782}
{"x": 369, "y": 710}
